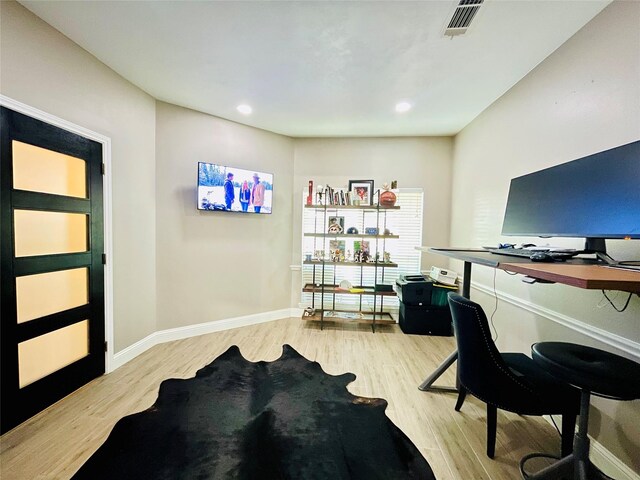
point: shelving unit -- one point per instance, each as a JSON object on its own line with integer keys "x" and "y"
{"x": 328, "y": 270}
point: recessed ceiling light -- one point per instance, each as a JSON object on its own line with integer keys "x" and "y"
{"x": 403, "y": 107}
{"x": 245, "y": 109}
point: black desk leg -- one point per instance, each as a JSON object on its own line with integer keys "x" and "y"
{"x": 427, "y": 385}
{"x": 466, "y": 280}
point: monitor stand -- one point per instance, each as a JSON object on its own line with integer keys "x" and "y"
{"x": 633, "y": 265}
{"x": 599, "y": 248}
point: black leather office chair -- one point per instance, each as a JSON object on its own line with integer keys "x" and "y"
{"x": 507, "y": 381}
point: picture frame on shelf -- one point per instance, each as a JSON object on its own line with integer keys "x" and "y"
{"x": 362, "y": 191}
{"x": 336, "y": 248}
{"x": 361, "y": 246}
{"x": 361, "y": 251}
{"x": 335, "y": 225}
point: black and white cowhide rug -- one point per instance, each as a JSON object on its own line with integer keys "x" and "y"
{"x": 237, "y": 419}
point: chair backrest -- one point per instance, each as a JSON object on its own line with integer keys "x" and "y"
{"x": 480, "y": 365}
{"x": 478, "y": 357}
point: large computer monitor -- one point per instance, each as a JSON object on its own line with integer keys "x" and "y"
{"x": 596, "y": 197}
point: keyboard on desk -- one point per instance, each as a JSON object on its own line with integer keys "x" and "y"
{"x": 526, "y": 252}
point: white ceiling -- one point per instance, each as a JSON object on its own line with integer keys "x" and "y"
{"x": 322, "y": 68}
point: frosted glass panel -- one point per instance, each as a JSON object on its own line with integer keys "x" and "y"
{"x": 48, "y": 353}
{"x": 42, "y": 233}
{"x": 47, "y": 293}
{"x": 40, "y": 170}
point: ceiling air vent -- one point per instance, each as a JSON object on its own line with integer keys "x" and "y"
{"x": 462, "y": 17}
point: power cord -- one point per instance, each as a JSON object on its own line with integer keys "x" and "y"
{"x": 555, "y": 425}
{"x": 495, "y": 308}
{"x": 495, "y": 297}
{"x": 626, "y": 304}
{"x": 526, "y": 458}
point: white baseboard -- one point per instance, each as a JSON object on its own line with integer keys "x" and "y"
{"x": 609, "y": 463}
{"x": 164, "y": 336}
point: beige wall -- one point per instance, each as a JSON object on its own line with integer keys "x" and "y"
{"x": 583, "y": 99}
{"x": 215, "y": 265}
{"x": 45, "y": 70}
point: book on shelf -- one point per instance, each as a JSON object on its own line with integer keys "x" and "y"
{"x": 328, "y": 195}
{"x": 335, "y": 196}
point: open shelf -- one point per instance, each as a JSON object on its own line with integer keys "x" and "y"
{"x": 349, "y": 235}
{"x": 381, "y": 318}
{"x": 352, "y": 207}
{"x": 359, "y": 264}
{"x": 331, "y": 289}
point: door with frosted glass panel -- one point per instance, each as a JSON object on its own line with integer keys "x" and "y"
{"x": 52, "y": 330}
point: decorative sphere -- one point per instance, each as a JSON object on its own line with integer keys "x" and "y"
{"x": 387, "y": 198}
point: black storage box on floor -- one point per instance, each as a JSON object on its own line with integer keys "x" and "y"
{"x": 426, "y": 320}
{"x": 414, "y": 290}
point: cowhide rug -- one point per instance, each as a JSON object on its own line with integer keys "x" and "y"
{"x": 236, "y": 419}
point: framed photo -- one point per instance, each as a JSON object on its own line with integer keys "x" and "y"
{"x": 336, "y": 225}
{"x": 361, "y": 246}
{"x": 336, "y": 248}
{"x": 362, "y": 191}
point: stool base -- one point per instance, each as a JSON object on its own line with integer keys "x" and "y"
{"x": 567, "y": 468}
{"x": 575, "y": 466}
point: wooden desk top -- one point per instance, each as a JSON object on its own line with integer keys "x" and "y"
{"x": 577, "y": 272}
{"x": 598, "y": 277}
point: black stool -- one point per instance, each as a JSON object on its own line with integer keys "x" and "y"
{"x": 594, "y": 372}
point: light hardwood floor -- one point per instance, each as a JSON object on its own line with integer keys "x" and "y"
{"x": 388, "y": 364}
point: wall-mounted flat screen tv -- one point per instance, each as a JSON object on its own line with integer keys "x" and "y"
{"x": 231, "y": 189}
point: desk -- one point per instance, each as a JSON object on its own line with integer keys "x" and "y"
{"x": 577, "y": 272}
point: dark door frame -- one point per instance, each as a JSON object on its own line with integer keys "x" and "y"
{"x": 107, "y": 207}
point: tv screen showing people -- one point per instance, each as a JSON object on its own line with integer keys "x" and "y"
{"x": 231, "y": 189}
